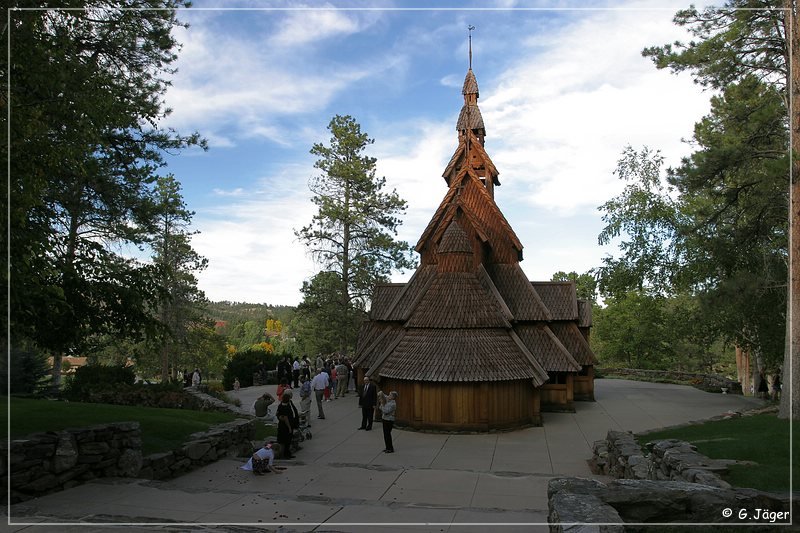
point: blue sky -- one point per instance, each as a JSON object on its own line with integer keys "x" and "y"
{"x": 562, "y": 92}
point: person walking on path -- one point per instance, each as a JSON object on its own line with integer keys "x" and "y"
{"x": 369, "y": 398}
{"x": 319, "y": 384}
{"x": 388, "y": 407}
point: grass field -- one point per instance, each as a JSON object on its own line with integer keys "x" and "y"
{"x": 162, "y": 429}
{"x": 763, "y": 439}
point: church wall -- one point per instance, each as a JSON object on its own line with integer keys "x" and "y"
{"x": 465, "y": 406}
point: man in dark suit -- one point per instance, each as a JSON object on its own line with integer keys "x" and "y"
{"x": 369, "y": 398}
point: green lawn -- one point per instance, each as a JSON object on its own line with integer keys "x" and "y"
{"x": 162, "y": 429}
{"x": 763, "y": 439}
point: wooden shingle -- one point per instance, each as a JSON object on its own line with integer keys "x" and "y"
{"x": 572, "y": 339}
{"x": 560, "y": 298}
{"x": 518, "y": 293}
{"x": 383, "y": 297}
{"x": 457, "y": 300}
{"x": 546, "y": 348}
{"x": 459, "y": 355}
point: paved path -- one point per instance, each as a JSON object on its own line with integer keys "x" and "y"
{"x": 341, "y": 477}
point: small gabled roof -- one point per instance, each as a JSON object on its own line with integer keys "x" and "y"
{"x": 454, "y": 240}
{"x": 584, "y": 314}
{"x": 457, "y": 300}
{"x": 560, "y": 298}
{"x": 407, "y": 299}
{"x": 466, "y": 355}
{"x": 468, "y": 193}
{"x": 546, "y": 348}
{"x": 459, "y": 157}
{"x": 570, "y": 336}
{"x": 382, "y": 298}
{"x": 518, "y": 293}
{"x": 387, "y": 335}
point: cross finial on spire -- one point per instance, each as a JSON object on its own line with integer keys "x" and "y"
{"x": 470, "y": 28}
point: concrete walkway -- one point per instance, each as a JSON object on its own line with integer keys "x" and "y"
{"x": 341, "y": 480}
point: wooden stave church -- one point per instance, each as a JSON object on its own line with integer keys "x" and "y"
{"x": 469, "y": 343}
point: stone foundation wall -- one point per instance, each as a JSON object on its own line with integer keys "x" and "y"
{"x": 48, "y": 462}
{"x": 621, "y": 457}
{"x": 706, "y": 382}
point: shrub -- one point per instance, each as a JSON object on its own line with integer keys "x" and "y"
{"x": 243, "y": 365}
{"x": 93, "y": 378}
{"x": 27, "y": 372}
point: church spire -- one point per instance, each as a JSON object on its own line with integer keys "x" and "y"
{"x": 470, "y": 117}
{"x": 470, "y": 28}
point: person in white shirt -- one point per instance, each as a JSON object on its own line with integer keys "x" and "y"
{"x": 296, "y": 373}
{"x": 319, "y": 384}
{"x": 261, "y": 461}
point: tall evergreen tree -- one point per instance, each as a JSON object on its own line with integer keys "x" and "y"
{"x": 354, "y": 231}
{"x": 86, "y": 87}
{"x": 742, "y": 39}
{"x": 182, "y": 309}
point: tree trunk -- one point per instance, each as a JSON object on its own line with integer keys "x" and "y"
{"x": 790, "y": 397}
{"x": 55, "y": 376}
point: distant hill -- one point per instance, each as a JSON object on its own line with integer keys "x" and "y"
{"x": 236, "y": 312}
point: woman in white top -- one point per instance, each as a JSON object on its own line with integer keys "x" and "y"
{"x": 388, "y": 406}
{"x": 261, "y": 461}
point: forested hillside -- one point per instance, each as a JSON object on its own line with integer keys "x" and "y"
{"x": 235, "y": 312}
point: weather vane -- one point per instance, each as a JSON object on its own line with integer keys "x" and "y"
{"x": 470, "y": 28}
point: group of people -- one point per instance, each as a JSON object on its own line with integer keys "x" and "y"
{"x": 192, "y": 379}
{"x": 289, "y": 419}
{"x": 338, "y": 369}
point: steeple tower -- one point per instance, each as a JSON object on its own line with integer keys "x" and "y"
{"x": 471, "y": 135}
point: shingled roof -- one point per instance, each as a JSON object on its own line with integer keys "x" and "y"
{"x": 469, "y": 312}
{"x": 559, "y": 297}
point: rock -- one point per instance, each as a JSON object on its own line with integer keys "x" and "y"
{"x": 129, "y": 463}
{"x": 196, "y": 449}
{"x": 91, "y": 448}
{"x": 66, "y": 456}
{"x": 581, "y": 513}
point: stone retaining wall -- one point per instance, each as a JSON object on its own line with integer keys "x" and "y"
{"x": 621, "y": 457}
{"x": 231, "y": 438}
{"x": 706, "y": 382}
{"x": 42, "y": 463}
{"x": 627, "y": 505}
{"x": 48, "y": 462}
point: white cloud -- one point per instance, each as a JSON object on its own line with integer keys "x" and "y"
{"x": 558, "y": 120}
{"x": 238, "y": 191}
{"x": 227, "y": 82}
{"x": 250, "y": 245}
{"x": 302, "y": 27}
